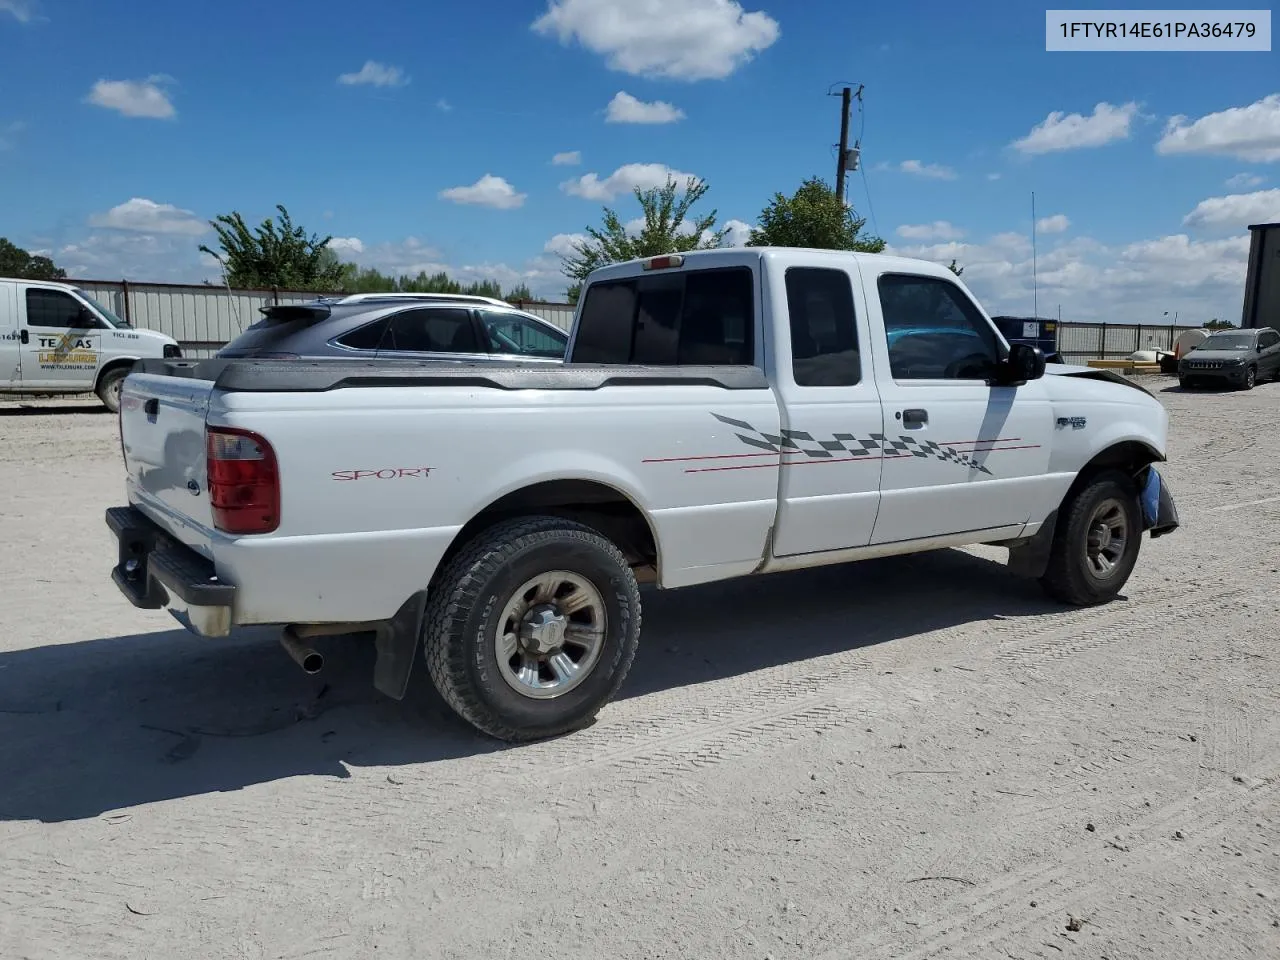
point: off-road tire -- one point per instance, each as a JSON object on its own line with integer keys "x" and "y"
{"x": 467, "y": 599}
{"x": 1068, "y": 578}
{"x": 108, "y": 389}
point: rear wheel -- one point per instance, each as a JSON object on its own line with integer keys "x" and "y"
{"x": 532, "y": 627}
{"x": 109, "y": 387}
{"x": 1097, "y": 541}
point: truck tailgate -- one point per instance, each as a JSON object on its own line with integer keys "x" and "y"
{"x": 162, "y": 422}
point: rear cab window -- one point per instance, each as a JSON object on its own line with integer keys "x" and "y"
{"x": 684, "y": 318}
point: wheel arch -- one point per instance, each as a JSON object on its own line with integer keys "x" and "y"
{"x": 115, "y": 363}
{"x": 602, "y": 506}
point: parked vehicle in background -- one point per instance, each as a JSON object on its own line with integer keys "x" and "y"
{"x": 452, "y": 327}
{"x": 725, "y": 413}
{"x": 1034, "y": 332}
{"x": 1240, "y": 358}
{"x": 56, "y": 339}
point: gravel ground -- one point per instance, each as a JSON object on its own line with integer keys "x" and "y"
{"x": 916, "y": 757}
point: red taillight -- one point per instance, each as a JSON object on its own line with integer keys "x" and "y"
{"x": 244, "y": 482}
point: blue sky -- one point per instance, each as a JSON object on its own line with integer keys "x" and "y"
{"x": 426, "y": 140}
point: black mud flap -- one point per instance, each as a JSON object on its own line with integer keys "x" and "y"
{"x": 397, "y": 641}
{"x": 1030, "y": 557}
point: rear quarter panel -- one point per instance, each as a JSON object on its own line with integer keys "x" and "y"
{"x": 377, "y": 482}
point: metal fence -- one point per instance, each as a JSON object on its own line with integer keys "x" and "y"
{"x": 202, "y": 318}
{"x": 1078, "y": 342}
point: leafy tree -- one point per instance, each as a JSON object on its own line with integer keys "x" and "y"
{"x": 1216, "y": 324}
{"x": 813, "y": 216}
{"x": 520, "y": 293}
{"x": 954, "y": 269}
{"x": 17, "y": 263}
{"x": 355, "y": 279}
{"x": 666, "y": 229}
{"x": 273, "y": 255}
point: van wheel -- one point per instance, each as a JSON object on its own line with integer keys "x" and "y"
{"x": 1097, "y": 541}
{"x": 109, "y": 387}
{"x": 532, "y": 627}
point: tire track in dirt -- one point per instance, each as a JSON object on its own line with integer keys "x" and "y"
{"x": 975, "y": 920}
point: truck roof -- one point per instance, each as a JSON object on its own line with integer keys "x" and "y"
{"x": 731, "y": 256}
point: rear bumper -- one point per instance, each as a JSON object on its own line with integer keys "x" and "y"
{"x": 156, "y": 572}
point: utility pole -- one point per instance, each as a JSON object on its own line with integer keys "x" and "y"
{"x": 1035, "y": 289}
{"x": 845, "y": 96}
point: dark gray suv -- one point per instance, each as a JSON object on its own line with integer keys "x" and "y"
{"x": 442, "y": 327}
{"x": 1237, "y": 357}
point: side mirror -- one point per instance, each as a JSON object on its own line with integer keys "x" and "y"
{"x": 1024, "y": 363}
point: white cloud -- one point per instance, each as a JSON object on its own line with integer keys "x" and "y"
{"x": 134, "y": 98}
{"x": 1073, "y": 131}
{"x": 623, "y": 180}
{"x": 141, "y": 215}
{"x": 1235, "y": 211}
{"x": 1243, "y": 181}
{"x": 994, "y": 176}
{"x": 346, "y": 246}
{"x": 570, "y": 158}
{"x": 634, "y": 227}
{"x": 934, "y": 171}
{"x": 444, "y": 106}
{"x": 938, "y": 230}
{"x": 1249, "y": 133}
{"x": 134, "y": 256}
{"x": 1093, "y": 281}
{"x": 375, "y": 74}
{"x": 21, "y": 10}
{"x": 1058, "y": 223}
{"x": 488, "y": 191}
{"x": 624, "y": 108}
{"x": 739, "y": 233}
{"x": 565, "y": 244}
{"x": 679, "y": 39}
{"x": 411, "y": 256}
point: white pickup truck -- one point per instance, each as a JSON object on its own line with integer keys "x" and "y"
{"x": 722, "y": 413}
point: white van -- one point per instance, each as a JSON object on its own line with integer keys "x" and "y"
{"x": 55, "y": 338}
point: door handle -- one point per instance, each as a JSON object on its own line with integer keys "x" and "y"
{"x": 24, "y": 337}
{"x": 913, "y": 419}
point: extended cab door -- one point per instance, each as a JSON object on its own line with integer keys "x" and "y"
{"x": 829, "y": 482}
{"x": 959, "y": 455}
{"x": 62, "y": 342}
{"x": 10, "y": 356}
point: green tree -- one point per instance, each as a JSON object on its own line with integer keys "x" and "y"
{"x": 1216, "y": 324}
{"x": 667, "y": 229}
{"x": 356, "y": 279}
{"x": 17, "y": 263}
{"x": 520, "y": 293}
{"x": 273, "y": 255}
{"x": 813, "y": 216}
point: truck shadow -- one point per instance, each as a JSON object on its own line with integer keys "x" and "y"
{"x": 88, "y": 728}
{"x": 30, "y": 409}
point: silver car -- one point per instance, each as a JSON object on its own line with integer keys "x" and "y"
{"x": 446, "y": 327}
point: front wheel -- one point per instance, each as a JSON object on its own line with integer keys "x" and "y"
{"x": 1250, "y": 378}
{"x": 532, "y": 627}
{"x": 1097, "y": 541}
{"x": 109, "y": 388}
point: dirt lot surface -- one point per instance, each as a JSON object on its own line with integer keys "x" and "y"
{"x": 909, "y": 758}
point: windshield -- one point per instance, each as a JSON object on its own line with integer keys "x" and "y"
{"x": 110, "y": 317}
{"x": 1228, "y": 341}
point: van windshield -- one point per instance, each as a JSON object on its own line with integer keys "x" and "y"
{"x": 111, "y": 318}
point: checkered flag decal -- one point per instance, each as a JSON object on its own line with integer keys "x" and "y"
{"x": 846, "y": 444}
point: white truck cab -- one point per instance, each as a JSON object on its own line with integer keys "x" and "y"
{"x": 55, "y": 338}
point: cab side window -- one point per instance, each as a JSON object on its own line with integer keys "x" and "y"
{"x": 934, "y": 330}
{"x": 56, "y": 310}
{"x": 824, "y": 339}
